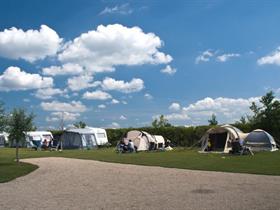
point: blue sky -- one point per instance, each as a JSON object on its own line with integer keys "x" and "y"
{"x": 122, "y": 63}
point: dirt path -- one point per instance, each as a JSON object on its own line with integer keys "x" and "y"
{"x": 62, "y": 183}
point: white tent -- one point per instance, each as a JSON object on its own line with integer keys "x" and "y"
{"x": 220, "y": 138}
{"x": 36, "y": 138}
{"x": 84, "y": 138}
{"x": 4, "y": 139}
{"x": 260, "y": 140}
{"x": 144, "y": 141}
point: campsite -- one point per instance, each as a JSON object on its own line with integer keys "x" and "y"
{"x": 139, "y": 105}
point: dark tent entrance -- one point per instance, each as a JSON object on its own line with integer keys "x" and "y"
{"x": 217, "y": 141}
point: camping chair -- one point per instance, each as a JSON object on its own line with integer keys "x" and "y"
{"x": 246, "y": 151}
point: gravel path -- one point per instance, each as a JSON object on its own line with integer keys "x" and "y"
{"x": 62, "y": 183}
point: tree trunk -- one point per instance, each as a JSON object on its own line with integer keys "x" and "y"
{"x": 17, "y": 156}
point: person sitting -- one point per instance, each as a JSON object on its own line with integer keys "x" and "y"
{"x": 45, "y": 144}
{"x": 130, "y": 146}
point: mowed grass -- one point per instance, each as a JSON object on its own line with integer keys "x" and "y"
{"x": 267, "y": 163}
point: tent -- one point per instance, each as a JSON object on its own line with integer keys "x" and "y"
{"x": 220, "y": 138}
{"x": 35, "y": 139}
{"x": 144, "y": 141}
{"x": 260, "y": 140}
{"x": 3, "y": 139}
{"x": 83, "y": 138}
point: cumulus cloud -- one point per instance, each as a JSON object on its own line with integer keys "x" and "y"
{"x": 65, "y": 116}
{"x": 148, "y": 96}
{"x": 109, "y": 46}
{"x": 97, "y": 95}
{"x": 56, "y": 106}
{"x": 81, "y": 82}
{"x": 210, "y": 54}
{"x": 204, "y": 56}
{"x": 175, "y": 107}
{"x": 168, "y": 70}
{"x": 29, "y": 45}
{"x": 115, "y": 101}
{"x": 226, "y": 57}
{"x": 122, "y": 117}
{"x": 123, "y": 9}
{"x": 13, "y": 78}
{"x": 227, "y": 110}
{"x": 135, "y": 85}
{"x": 102, "y": 106}
{"x": 66, "y": 69}
{"x": 114, "y": 125}
{"x": 273, "y": 58}
{"x": 48, "y": 93}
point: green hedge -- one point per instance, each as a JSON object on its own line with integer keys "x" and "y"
{"x": 179, "y": 136}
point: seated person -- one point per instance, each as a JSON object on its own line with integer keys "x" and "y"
{"x": 130, "y": 146}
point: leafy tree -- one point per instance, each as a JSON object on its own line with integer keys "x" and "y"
{"x": 213, "y": 121}
{"x": 267, "y": 115}
{"x": 80, "y": 124}
{"x": 19, "y": 122}
{"x": 161, "y": 122}
{"x": 2, "y": 117}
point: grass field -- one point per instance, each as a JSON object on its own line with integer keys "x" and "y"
{"x": 261, "y": 163}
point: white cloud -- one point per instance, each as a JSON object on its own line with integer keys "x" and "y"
{"x": 97, "y": 95}
{"x": 135, "y": 85}
{"x": 114, "y": 125}
{"x": 29, "y": 45}
{"x": 148, "y": 96}
{"x": 175, "y": 107}
{"x": 48, "y": 93}
{"x": 13, "y": 78}
{"x": 123, "y": 9}
{"x": 65, "y": 116}
{"x": 273, "y": 58}
{"x": 27, "y": 100}
{"x": 122, "y": 117}
{"x": 115, "y": 101}
{"x": 102, "y": 106}
{"x": 124, "y": 102}
{"x": 66, "y": 69}
{"x": 205, "y": 56}
{"x": 81, "y": 82}
{"x": 226, "y": 57}
{"x": 113, "y": 45}
{"x": 168, "y": 70}
{"x": 227, "y": 110}
{"x": 73, "y": 106}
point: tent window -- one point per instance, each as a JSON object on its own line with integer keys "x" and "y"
{"x": 101, "y": 135}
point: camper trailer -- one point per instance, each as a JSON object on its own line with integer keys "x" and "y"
{"x": 84, "y": 138}
{"x": 35, "y": 139}
{"x": 4, "y": 139}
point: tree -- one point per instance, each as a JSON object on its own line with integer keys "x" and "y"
{"x": 213, "y": 121}
{"x": 19, "y": 122}
{"x": 161, "y": 122}
{"x": 266, "y": 115}
{"x": 80, "y": 124}
{"x": 2, "y": 117}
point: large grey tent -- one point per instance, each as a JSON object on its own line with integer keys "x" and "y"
{"x": 220, "y": 138}
{"x": 82, "y": 138}
{"x": 260, "y": 140}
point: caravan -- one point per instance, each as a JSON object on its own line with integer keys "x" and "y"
{"x": 84, "y": 138}
{"x": 35, "y": 139}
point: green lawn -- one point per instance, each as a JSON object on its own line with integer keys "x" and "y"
{"x": 261, "y": 163}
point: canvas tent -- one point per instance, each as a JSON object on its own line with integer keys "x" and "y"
{"x": 220, "y": 138}
{"x": 35, "y": 139}
{"x": 260, "y": 140}
{"x": 144, "y": 141}
{"x": 3, "y": 139}
{"x": 83, "y": 138}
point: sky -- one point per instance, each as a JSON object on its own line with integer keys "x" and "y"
{"x": 124, "y": 63}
